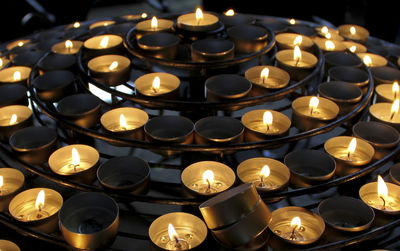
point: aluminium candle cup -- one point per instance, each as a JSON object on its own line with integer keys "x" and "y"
{"x": 189, "y": 228}
{"x": 286, "y": 41}
{"x": 13, "y": 94}
{"x": 394, "y": 174}
{"x": 385, "y": 75}
{"x": 100, "y": 69}
{"x": 188, "y": 22}
{"x": 349, "y": 74}
{"x": 144, "y": 27}
{"x": 102, "y": 45}
{"x": 60, "y": 163}
{"x": 55, "y": 85}
{"x": 256, "y": 130}
{"x": 227, "y": 87}
{"x": 369, "y": 195}
{"x": 337, "y": 147}
{"x": 333, "y": 59}
{"x": 8, "y": 246}
{"x": 358, "y": 47}
{"x": 13, "y": 182}
{"x": 236, "y": 19}
{"x": 312, "y": 225}
{"x": 194, "y": 184}
{"x": 212, "y": 49}
{"x": 384, "y": 137}
{"x": 169, "y": 86}
{"x": 61, "y": 48}
{"x": 22, "y": 208}
{"x": 376, "y": 60}
{"x": 135, "y": 119}
{"x": 82, "y": 109}
{"x": 277, "y": 79}
{"x": 361, "y": 35}
{"x": 160, "y": 45}
{"x": 309, "y": 167}
{"x": 345, "y": 95}
{"x": 23, "y": 119}
{"x": 54, "y": 62}
{"x": 89, "y": 221}
{"x": 126, "y": 174}
{"x": 285, "y": 61}
{"x": 381, "y": 112}
{"x": 346, "y": 214}
{"x": 9, "y": 75}
{"x": 303, "y": 120}
{"x": 248, "y": 38}
{"x": 338, "y": 46}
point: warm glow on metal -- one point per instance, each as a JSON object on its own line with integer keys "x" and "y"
{"x": 382, "y": 188}
{"x": 122, "y": 121}
{"x": 395, "y": 108}
{"x": 1, "y": 62}
{"x": 154, "y": 23}
{"x": 76, "y": 25}
{"x": 199, "y": 15}
{"x": 264, "y": 74}
{"x": 352, "y": 146}
{"x": 296, "y": 222}
{"x": 230, "y": 13}
{"x": 298, "y": 40}
{"x": 68, "y": 44}
{"x": 144, "y": 15}
{"x": 13, "y": 119}
{"x": 1, "y": 181}
{"x": 292, "y": 21}
{"x": 353, "y": 48}
{"x": 76, "y": 160}
{"x": 17, "y": 76}
{"x": 267, "y": 118}
{"x": 297, "y": 53}
{"x": 328, "y": 35}
{"x": 324, "y": 30}
{"x": 352, "y": 30}
{"x": 113, "y": 66}
{"x": 173, "y": 235}
{"x": 156, "y": 83}
{"x": 329, "y": 45}
{"x": 367, "y": 60}
{"x": 395, "y": 89}
{"x": 208, "y": 176}
{"x": 104, "y": 42}
{"x": 20, "y": 44}
{"x": 314, "y": 102}
{"x": 40, "y": 200}
{"x": 265, "y": 171}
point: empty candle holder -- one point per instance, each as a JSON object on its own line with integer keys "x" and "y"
{"x": 355, "y": 47}
{"x": 81, "y": 109}
{"x": 232, "y": 18}
{"x": 211, "y": 49}
{"x": 34, "y": 144}
{"x": 248, "y": 38}
{"x": 54, "y": 85}
{"x": 14, "y": 118}
{"x": 177, "y": 231}
{"x": 265, "y": 124}
{"x": 384, "y": 138}
{"x": 15, "y": 75}
{"x": 309, "y": 167}
{"x": 13, "y": 94}
{"x": 267, "y": 78}
{"x": 127, "y": 174}
{"x": 275, "y": 25}
{"x": 158, "y": 85}
{"x": 120, "y": 29}
{"x": 341, "y": 59}
{"x": 351, "y": 75}
{"x": 297, "y": 225}
{"x": 290, "y": 40}
{"x": 198, "y": 21}
{"x": 310, "y": 112}
{"x": 386, "y": 113}
{"x": 346, "y": 214}
{"x": 125, "y": 122}
{"x": 103, "y": 45}
{"x": 354, "y": 32}
{"x": 67, "y": 47}
{"x": 54, "y": 62}
{"x": 328, "y": 45}
{"x": 207, "y": 178}
{"x": 11, "y": 183}
{"x": 89, "y": 221}
{"x": 350, "y": 154}
{"x": 227, "y": 87}
{"x": 385, "y": 75}
{"x": 28, "y": 58}
{"x": 394, "y": 174}
{"x": 160, "y": 45}
{"x": 345, "y": 95}
{"x": 218, "y": 130}
{"x": 372, "y": 60}
{"x": 153, "y": 25}
{"x": 37, "y": 208}
{"x": 110, "y": 70}
{"x": 302, "y": 29}
{"x": 75, "y": 162}
{"x": 8, "y": 245}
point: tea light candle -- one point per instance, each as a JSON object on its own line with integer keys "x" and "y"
{"x": 268, "y": 77}
{"x": 104, "y": 23}
{"x": 198, "y": 21}
{"x": 207, "y": 178}
{"x": 8, "y": 246}
{"x": 17, "y": 44}
{"x": 153, "y": 25}
{"x": 11, "y": 181}
{"x": 387, "y": 113}
{"x": 102, "y": 45}
{"x": 158, "y": 84}
{"x": 297, "y": 225}
{"x": 68, "y": 47}
{"x": 372, "y": 60}
{"x": 3, "y": 62}
{"x": 132, "y": 17}
{"x": 311, "y": 112}
{"x": 290, "y": 40}
{"x": 15, "y": 75}
{"x": 387, "y": 92}
{"x": 355, "y": 47}
{"x": 177, "y": 231}
{"x": 232, "y": 18}
{"x": 328, "y": 45}
{"x": 13, "y": 118}
{"x": 264, "y": 124}
{"x": 329, "y": 33}
{"x": 381, "y": 196}
{"x": 110, "y": 70}
{"x": 354, "y": 32}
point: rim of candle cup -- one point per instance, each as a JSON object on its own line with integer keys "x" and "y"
{"x": 98, "y": 24}
{"x": 349, "y": 74}
{"x": 142, "y": 83}
{"x": 54, "y": 85}
{"x": 183, "y": 22}
{"x": 343, "y": 142}
{"x": 21, "y": 198}
{"x": 340, "y": 92}
{"x": 372, "y": 189}
{"x": 123, "y": 63}
{"x": 28, "y": 58}
{"x": 236, "y": 19}
{"x": 20, "y": 110}
{"x": 221, "y": 171}
{"x": 127, "y": 168}
{"x": 227, "y": 86}
{"x": 178, "y": 220}
{"x": 304, "y": 101}
{"x": 384, "y": 136}
{"x": 302, "y": 29}
{"x": 339, "y": 46}
{"x": 257, "y": 115}
{"x": 158, "y": 41}
{"x": 385, "y": 74}
{"x": 344, "y": 30}
{"x": 231, "y": 130}
{"x": 339, "y": 58}
{"x": 377, "y": 60}
{"x": 113, "y": 115}
{"x": 376, "y": 109}
{"x": 394, "y": 173}
{"x": 163, "y": 25}
{"x": 285, "y": 212}
{"x": 58, "y": 48}
{"x": 284, "y": 55}
{"x": 274, "y": 72}
{"x": 113, "y": 42}
{"x": 14, "y": 174}
{"x": 359, "y": 47}
{"x": 131, "y": 17}
{"x": 13, "y": 94}
{"x": 24, "y": 70}
{"x": 346, "y": 213}
{"x": 184, "y": 125}
{"x": 52, "y": 62}
{"x": 9, "y": 245}
{"x": 248, "y": 38}
{"x": 212, "y": 49}
{"x": 254, "y": 165}
{"x": 282, "y": 43}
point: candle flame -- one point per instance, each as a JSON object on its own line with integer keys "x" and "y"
{"x": 353, "y": 48}
{"x": 329, "y": 45}
{"x": 297, "y": 53}
{"x": 395, "y": 89}
{"x": 76, "y": 25}
{"x": 76, "y": 160}
{"x": 367, "y": 60}
{"x": 122, "y": 121}
{"x": 314, "y": 102}
{"x": 265, "y": 171}
{"x": 292, "y": 21}
{"x": 264, "y": 74}
{"x": 352, "y": 30}
{"x": 40, "y": 200}
{"x": 173, "y": 235}
{"x": 324, "y": 30}
{"x": 267, "y": 118}
{"x": 328, "y": 35}
{"x": 1, "y": 181}
{"x": 68, "y": 44}
{"x": 199, "y": 15}
{"x": 113, "y": 65}
{"x": 230, "y": 13}
{"x": 20, "y": 44}
{"x": 13, "y": 119}
{"x": 208, "y": 176}
{"x": 1, "y": 62}
{"x": 296, "y": 222}
{"x": 144, "y": 15}
{"x": 352, "y": 146}
{"x": 298, "y": 40}
{"x": 104, "y": 42}
{"x": 382, "y": 188}
{"x": 154, "y": 23}
{"x": 156, "y": 84}
{"x": 395, "y": 108}
{"x": 17, "y": 76}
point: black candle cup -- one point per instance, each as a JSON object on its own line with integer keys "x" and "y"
{"x": 381, "y": 136}
{"x": 99, "y": 69}
{"x": 273, "y": 24}
{"x": 82, "y": 109}
{"x": 345, "y": 95}
{"x": 302, "y": 29}
{"x": 13, "y": 94}
{"x": 236, "y": 19}
{"x": 211, "y": 49}
{"x": 24, "y": 119}
{"x": 160, "y": 45}
{"x": 218, "y": 130}
{"x": 341, "y": 59}
{"x": 349, "y": 74}
{"x": 29, "y": 58}
{"x": 120, "y": 29}
{"x": 248, "y": 38}
{"x": 54, "y": 62}
{"x": 128, "y": 173}
{"x": 309, "y": 167}
{"x": 34, "y": 144}
{"x": 385, "y": 75}
{"x": 346, "y": 214}
{"x": 55, "y": 85}
{"x": 227, "y": 87}
{"x": 394, "y": 174}
{"x": 89, "y": 221}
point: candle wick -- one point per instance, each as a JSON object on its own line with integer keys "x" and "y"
{"x": 297, "y": 61}
{"x": 154, "y": 89}
{"x": 311, "y": 110}
{"x": 40, "y": 208}
{"x": 349, "y": 155}
{"x": 267, "y": 127}
{"x": 392, "y": 115}
{"x": 384, "y": 202}
{"x": 293, "y": 234}
{"x": 198, "y": 21}
{"x": 177, "y": 243}
{"x": 208, "y": 185}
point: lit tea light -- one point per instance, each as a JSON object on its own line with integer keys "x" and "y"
{"x": 314, "y": 101}
{"x": 367, "y": 60}
{"x": 353, "y": 32}
{"x": 76, "y": 25}
{"x": 386, "y": 112}
{"x": 102, "y": 45}
{"x": 3, "y": 62}
{"x": 100, "y": 24}
{"x": 372, "y": 60}
{"x": 387, "y": 92}
{"x": 381, "y": 196}
{"x": 354, "y": 47}
{"x": 13, "y": 118}
{"x": 329, "y": 33}
{"x": 329, "y": 45}
{"x": 110, "y": 69}
{"x": 17, "y": 44}
{"x": 290, "y": 40}
{"x": 269, "y": 77}
{"x": 292, "y": 21}
{"x": 15, "y": 75}
{"x": 11, "y": 181}
{"x": 232, "y": 18}
{"x": 229, "y": 13}
{"x": 68, "y": 47}
{"x": 157, "y": 84}
{"x": 198, "y": 21}
{"x": 153, "y": 25}
{"x": 144, "y": 15}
